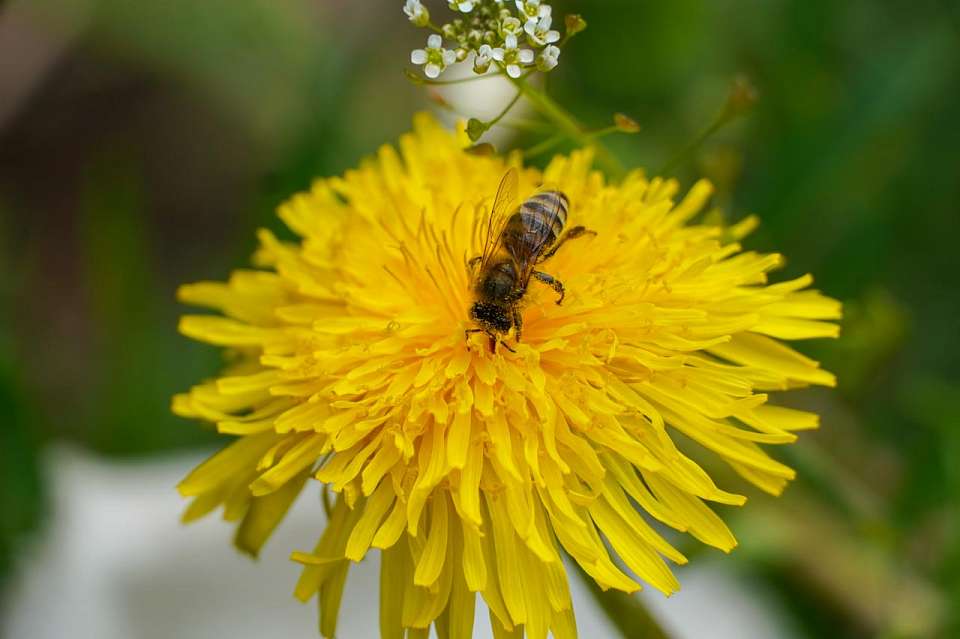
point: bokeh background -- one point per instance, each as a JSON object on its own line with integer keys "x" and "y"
{"x": 142, "y": 143}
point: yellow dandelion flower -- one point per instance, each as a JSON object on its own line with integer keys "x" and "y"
{"x": 474, "y": 470}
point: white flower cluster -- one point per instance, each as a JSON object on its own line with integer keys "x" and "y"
{"x": 492, "y": 32}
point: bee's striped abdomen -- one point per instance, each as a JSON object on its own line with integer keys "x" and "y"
{"x": 536, "y": 225}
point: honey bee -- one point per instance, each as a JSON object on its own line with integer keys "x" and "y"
{"x": 518, "y": 239}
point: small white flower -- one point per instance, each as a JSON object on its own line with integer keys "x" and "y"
{"x": 462, "y": 7}
{"x": 539, "y": 33}
{"x": 511, "y": 25}
{"x": 511, "y": 56}
{"x": 481, "y": 62}
{"x": 417, "y": 13}
{"x": 434, "y": 58}
{"x": 549, "y": 58}
{"x": 534, "y": 9}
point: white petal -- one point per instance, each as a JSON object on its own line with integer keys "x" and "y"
{"x": 418, "y": 56}
{"x": 531, "y": 28}
{"x": 449, "y": 56}
{"x": 545, "y": 23}
{"x": 431, "y": 70}
{"x": 435, "y": 41}
{"x": 510, "y": 42}
{"x": 498, "y": 54}
{"x": 526, "y": 56}
{"x": 466, "y": 7}
{"x": 485, "y": 51}
{"x": 513, "y": 71}
{"x": 552, "y": 36}
{"x": 545, "y": 11}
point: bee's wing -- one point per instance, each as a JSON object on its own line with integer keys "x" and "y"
{"x": 500, "y": 213}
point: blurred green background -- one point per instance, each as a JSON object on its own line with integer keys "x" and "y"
{"x": 142, "y": 143}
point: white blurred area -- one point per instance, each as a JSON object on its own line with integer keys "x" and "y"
{"x": 115, "y": 563}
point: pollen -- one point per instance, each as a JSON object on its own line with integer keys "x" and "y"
{"x": 474, "y": 470}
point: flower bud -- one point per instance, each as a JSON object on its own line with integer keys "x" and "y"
{"x": 625, "y": 123}
{"x": 417, "y": 13}
{"x": 575, "y": 24}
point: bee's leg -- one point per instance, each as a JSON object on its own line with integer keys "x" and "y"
{"x": 571, "y": 234}
{"x": 472, "y": 264}
{"x": 552, "y": 282}
{"x": 494, "y": 340}
{"x": 517, "y": 321}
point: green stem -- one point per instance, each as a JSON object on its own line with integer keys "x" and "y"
{"x": 742, "y": 97}
{"x": 691, "y": 148}
{"x": 551, "y": 110}
{"x": 505, "y": 110}
{"x": 524, "y": 124}
{"x": 610, "y": 130}
{"x": 625, "y": 612}
{"x": 543, "y": 147}
{"x": 567, "y": 124}
{"x": 475, "y": 78}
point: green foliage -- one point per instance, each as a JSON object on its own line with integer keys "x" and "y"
{"x": 849, "y": 157}
{"x": 21, "y": 491}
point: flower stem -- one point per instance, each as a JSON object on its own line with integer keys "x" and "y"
{"x": 685, "y": 153}
{"x": 568, "y": 124}
{"x": 543, "y": 147}
{"x": 473, "y": 78}
{"x": 506, "y": 110}
{"x": 525, "y": 124}
{"x": 602, "y": 133}
{"x": 742, "y": 97}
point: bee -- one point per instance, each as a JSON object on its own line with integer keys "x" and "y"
{"x": 518, "y": 240}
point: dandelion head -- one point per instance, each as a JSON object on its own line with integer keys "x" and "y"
{"x": 474, "y": 469}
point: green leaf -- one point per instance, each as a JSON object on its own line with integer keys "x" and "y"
{"x": 476, "y": 129}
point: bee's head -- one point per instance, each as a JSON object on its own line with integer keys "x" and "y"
{"x": 492, "y": 316}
